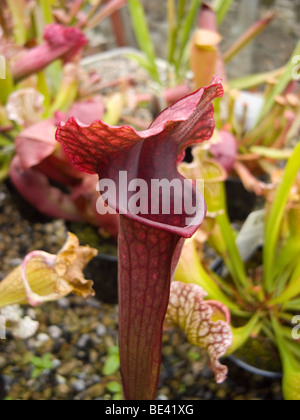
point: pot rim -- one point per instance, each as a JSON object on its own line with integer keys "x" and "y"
{"x": 255, "y": 371}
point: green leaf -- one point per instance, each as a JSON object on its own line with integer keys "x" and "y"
{"x": 291, "y": 368}
{"x": 37, "y": 362}
{"x": 36, "y": 373}
{"x": 275, "y": 218}
{"x": 292, "y": 291}
{"x": 6, "y": 86}
{"x": 190, "y": 270}
{"x": 18, "y": 11}
{"x": 112, "y": 365}
{"x": 4, "y": 166}
{"x": 269, "y": 153}
{"x": 143, "y": 62}
{"x": 114, "y": 387}
{"x": 242, "y": 334}
{"x": 142, "y": 34}
{"x": 254, "y": 80}
{"x": 236, "y": 265}
{"x": 281, "y": 85}
{"x": 54, "y": 74}
{"x": 186, "y": 31}
{"x": 293, "y": 305}
{"x": 221, "y": 7}
{"x": 117, "y": 397}
{"x": 43, "y": 89}
{"x": 113, "y": 350}
{"x": 194, "y": 356}
{"x": 47, "y": 11}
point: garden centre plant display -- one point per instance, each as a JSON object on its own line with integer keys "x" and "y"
{"x": 62, "y": 148}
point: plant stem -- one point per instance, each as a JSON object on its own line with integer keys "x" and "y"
{"x": 18, "y": 10}
{"x": 275, "y": 218}
{"x": 236, "y": 265}
{"x": 47, "y": 11}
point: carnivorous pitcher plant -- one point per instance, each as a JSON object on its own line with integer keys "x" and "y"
{"x": 150, "y": 239}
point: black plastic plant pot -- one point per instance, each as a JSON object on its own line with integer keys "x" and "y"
{"x": 103, "y": 269}
{"x": 257, "y": 357}
{"x": 240, "y": 202}
{"x": 2, "y": 387}
{"x": 27, "y": 211}
{"x": 254, "y": 370}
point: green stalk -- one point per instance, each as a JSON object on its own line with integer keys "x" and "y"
{"x": 293, "y": 305}
{"x": 292, "y": 291}
{"x": 172, "y": 30}
{"x": 236, "y": 265}
{"x": 6, "y": 85}
{"x": 173, "y": 35}
{"x": 43, "y": 89}
{"x": 187, "y": 28}
{"x": 275, "y": 218}
{"x": 221, "y": 8}
{"x": 241, "y": 335}
{"x": 288, "y": 255}
{"x": 66, "y": 96}
{"x": 4, "y": 166}
{"x": 18, "y": 11}
{"x": 291, "y": 369}
{"x": 269, "y": 153}
{"x": 143, "y": 37}
{"x": 191, "y": 270}
{"x": 254, "y": 80}
{"x": 47, "y": 11}
{"x": 281, "y": 85}
{"x": 256, "y": 135}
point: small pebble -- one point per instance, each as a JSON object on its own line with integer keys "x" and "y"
{"x": 63, "y": 389}
{"x": 15, "y": 262}
{"x": 96, "y": 379}
{"x": 42, "y": 338}
{"x": 95, "y": 391}
{"x": 162, "y": 398}
{"x": 83, "y": 341}
{"x": 56, "y": 363}
{"x": 63, "y": 303}
{"x": 82, "y": 376}
{"x": 60, "y": 380}
{"x": 55, "y": 332}
{"x": 2, "y": 361}
{"x": 100, "y": 330}
{"x": 188, "y": 379}
{"x": 79, "y": 385}
{"x": 2, "y": 197}
{"x": 31, "y": 313}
